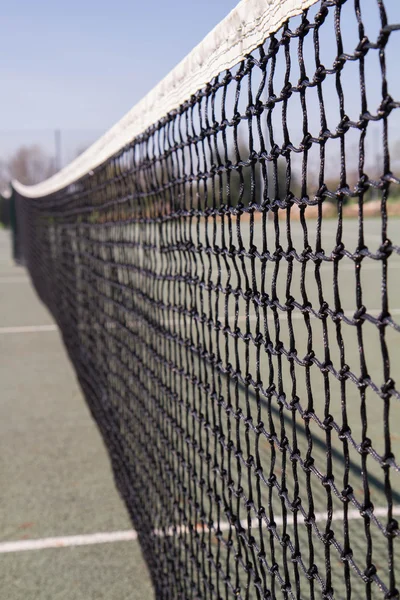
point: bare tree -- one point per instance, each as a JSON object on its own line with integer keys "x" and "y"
{"x": 4, "y": 176}
{"x": 30, "y": 165}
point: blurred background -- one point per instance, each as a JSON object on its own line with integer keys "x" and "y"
{"x": 69, "y": 71}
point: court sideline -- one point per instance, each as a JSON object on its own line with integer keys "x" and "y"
{"x": 64, "y": 532}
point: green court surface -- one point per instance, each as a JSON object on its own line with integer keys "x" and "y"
{"x": 55, "y": 474}
{"x": 232, "y": 313}
{"x": 58, "y": 481}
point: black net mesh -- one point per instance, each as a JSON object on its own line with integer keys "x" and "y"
{"x": 222, "y": 286}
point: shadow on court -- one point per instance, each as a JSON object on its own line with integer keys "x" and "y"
{"x": 55, "y": 473}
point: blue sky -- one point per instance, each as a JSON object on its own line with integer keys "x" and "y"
{"x": 79, "y": 66}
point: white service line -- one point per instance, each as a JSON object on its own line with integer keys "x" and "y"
{"x": 131, "y": 535}
{"x": 28, "y": 329}
{"x": 337, "y": 515}
{"x": 110, "y": 325}
{"x": 14, "y": 280}
{"x": 374, "y": 312}
{"x": 67, "y": 541}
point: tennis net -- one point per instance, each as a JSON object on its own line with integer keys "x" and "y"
{"x": 222, "y": 270}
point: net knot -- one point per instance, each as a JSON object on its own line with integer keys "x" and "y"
{"x": 392, "y": 595}
{"x": 344, "y": 432}
{"x": 320, "y": 74}
{"x": 362, "y": 184}
{"x": 294, "y": 456}
{"x": 388, "y": 386}
{"x": 249, "y": 462}
{"x": 347, "y": 493}
{"x": 322, "y": 313}
{"x": 270, "y": 102}
{"x": 365, "y": 509}
{"x": 252, "y": 251}
{"x": 294, "y": 401}
{"x": 344, "y": 126}
{"x": 343, "y": 372}
{"x": 250, "y": 111}
{"x": 312, "y": 572}
{"x": 338, "y": 252}
{"x": 275, "y": 566}
{"x": 328, "y": 536}
{"x": 248, "y": 379}
{"x": 347, "y": 554}
{"x": 295, "y": 556}
{"x": 325, "y": 367}
{"x": 218, "y": 325}
{"x": 258, "y": 108}
{"x": 308, "y": 359}
{"x": 386, "y": 106}
{"x": 296, "y": 503}
{"x": 362, "y": 383}
{"x": 238, "y": 413}
{"x": 327, "y": 481}
{"x": 275, "y": 152}
{"x": 285, "y": 540}
{"x": 239, "y": 490}
{"x": 392, "y": 528}
{"x": 227, "y": 77}
{"x": 360, "y": 312}
{"x": 271, "y": 389}
{"x": 259, "y": 428}
{"x": 258, "y": 341}
{"x": 236, "y": 118}
{"x": 284, "y": 443}
{"x": 305, "y": 254}
{"x": 385, "y": 249}
{"x": 306, "y": 142}
{"x": 287, "y": 90}
{"x": 388, "y": 458}
{"x": 290, "y": 303}
{"x": 308, "y": 463}
{"x": 365, "y": 445}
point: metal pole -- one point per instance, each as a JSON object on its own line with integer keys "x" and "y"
{"x": 57, "y": 140}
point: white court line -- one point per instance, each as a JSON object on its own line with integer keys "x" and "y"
{"x": 282, "y": 316}
{"x": 28, "y": 329}
{"x": 343, "y": 267}
{"x": 337, "y": 515}
{"x": 131, "y": 535}
{"x": 374, "y": 312}
{"x": 67, "y": 541}
{"x": 111, "y": 325}
{"x": 14, "y": 280}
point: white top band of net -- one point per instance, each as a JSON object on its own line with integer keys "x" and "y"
{"x": 246, "y": 27}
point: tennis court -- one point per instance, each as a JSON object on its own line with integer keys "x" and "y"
{"x": 63, "y": 471}
{"x": 56, "y": 478}
{"x": 234, "y": 332}
{"x": 238, "y": 395}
